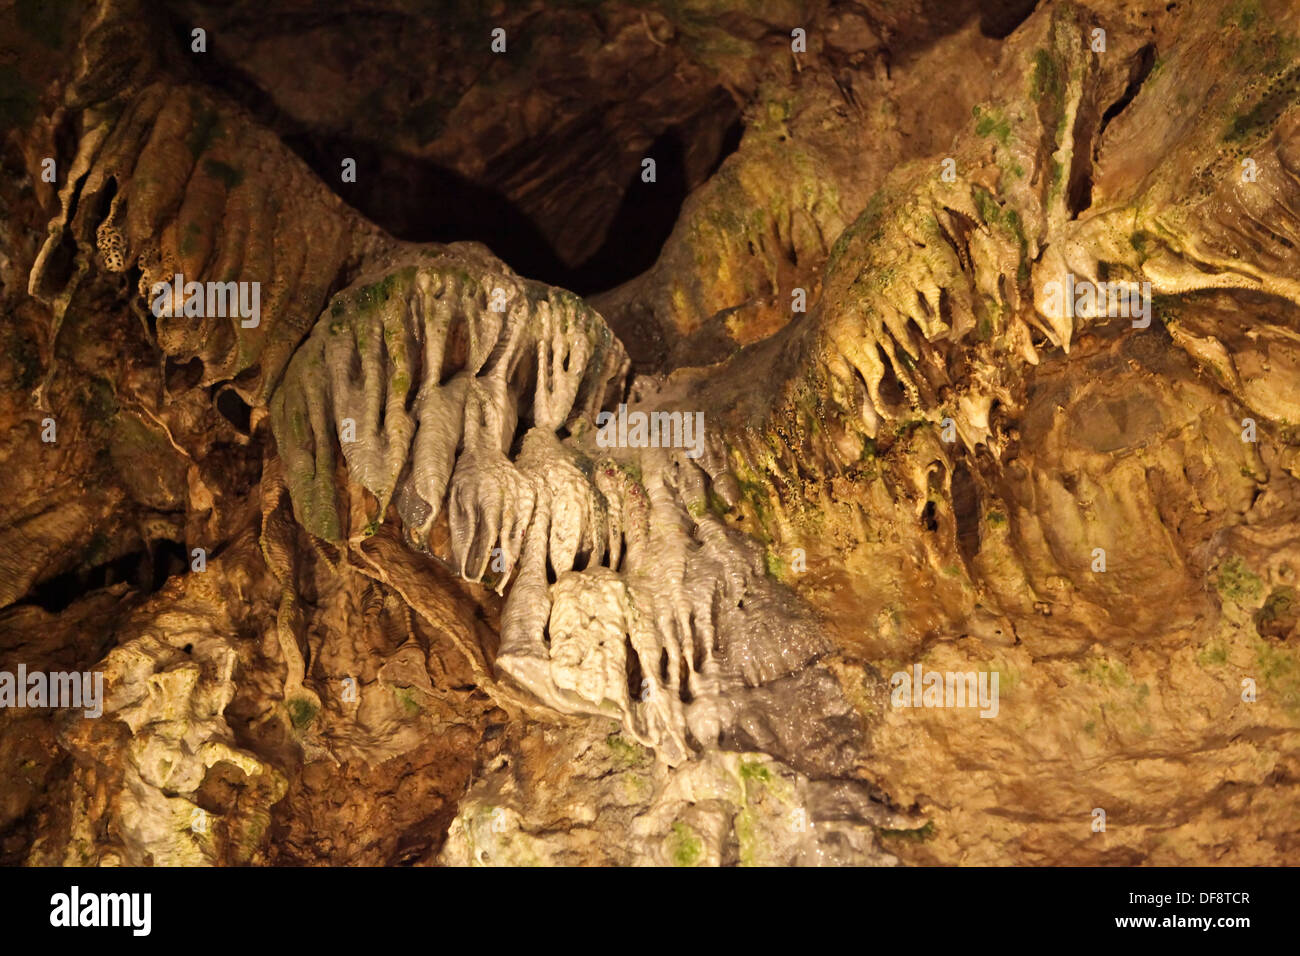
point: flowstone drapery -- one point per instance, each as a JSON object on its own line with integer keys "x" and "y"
{"x": 457, "y": 390}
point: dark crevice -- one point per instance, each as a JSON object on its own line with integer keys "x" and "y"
{"x": 146, "y": 570}
{"x": 169, "y": 560}
{"x": 60, "y": 266}
{"x": 956, "y": 228}
{"x": 1078, "y": 190}
{"x": 890, "y": 388}
{"x": 1088, "y": 130}
{"x": 182, "y": 376}
{"x": 684, "y": 682}
{"x": 1141, "y": 69}
{"x": 102, "y": 204}
{"x": 435, "y": 204}
{"x": 1000, "y": 18}
{"x": 234, "y": 409}
{"x": 928, "y": 517}
{"x": 67, "y": 135}
{"x": 965, "y": 509}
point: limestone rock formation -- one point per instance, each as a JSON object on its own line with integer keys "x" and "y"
{"x": 413, "y": 513}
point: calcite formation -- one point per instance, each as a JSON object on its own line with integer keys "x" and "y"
{"x": 1000, "y": 377}
{"x": 613, "y": 566}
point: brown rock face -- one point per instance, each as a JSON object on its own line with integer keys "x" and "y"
{"x": 326, "y": 330}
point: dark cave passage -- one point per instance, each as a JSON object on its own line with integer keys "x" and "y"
{"x": 576, "y": 186}
{"x": 146, "y": 569}
{"x": 420, "y": 201}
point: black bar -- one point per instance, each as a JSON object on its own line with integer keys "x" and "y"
{"x": 445, "y": 907}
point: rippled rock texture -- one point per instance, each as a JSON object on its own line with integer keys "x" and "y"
{"x": 658, "y": 434}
